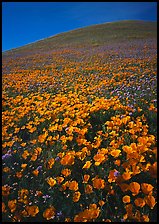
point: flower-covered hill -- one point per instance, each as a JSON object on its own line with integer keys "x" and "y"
{"x": 79, "y": 129}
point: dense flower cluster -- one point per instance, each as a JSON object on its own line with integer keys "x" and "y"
{"x": 79, "y": 136}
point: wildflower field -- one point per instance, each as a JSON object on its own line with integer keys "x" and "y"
{"x": 79, "y": 131}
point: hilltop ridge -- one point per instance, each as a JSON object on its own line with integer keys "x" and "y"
{"x": 93, "y": 36}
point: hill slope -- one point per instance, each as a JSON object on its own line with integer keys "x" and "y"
{"x": 94, "y": 36}
{"x": 79, "y": 126}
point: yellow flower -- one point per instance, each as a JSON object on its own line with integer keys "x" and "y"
{"x": 51, "y": 181}
{"x": 87, "y": 165}
{"x": 49, "y": 213}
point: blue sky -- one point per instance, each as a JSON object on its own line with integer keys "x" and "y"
{"x": 27, "y": 22}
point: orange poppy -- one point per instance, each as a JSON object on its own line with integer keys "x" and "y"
{"x": 87, "y": 165}
{"x": 67, "y": 160}
{"x": 50, "y": 163}
{"x": 12, "y": 205}
{"x": 115, "y": 153}
{"x": 36, "y": 172}
{"x": 3, "y": 208}
{"x": 140, "y": 202}
{"x": 59, "y": 179}
{"x": 134, "y": 187}
{"x": 126, "y": 199}
{"x": 73, "y": 185}
{"x": 88, "y": 189}
{"x": 76, "y": 196}
{"x": 86, "y": 178}
{"x": 150, "y": 201}
{"x": 98, "y": 183}
{"x": 49, "y": 213}
{"x": 51, "y": 181}
{"x": 66, "y": 172}
{"x": 126, "y": 175}
{"x": 99, "y": 158}
{"x": 32, "y": 210}
{"x": 146, "y": 188}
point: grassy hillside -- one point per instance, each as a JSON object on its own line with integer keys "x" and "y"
{"x": 79, "y": 126}
{"x": 94, "y": 36}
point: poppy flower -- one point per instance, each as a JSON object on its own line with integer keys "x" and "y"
{"x": 12, "y": 205}
{"x": 49, "y": 213}
{"x": 67, "y": 160}
{"x": 99, "y": 158}
{"x": 32, "y": 210}
{"x": 134, "y": 187}
{"x": 115, "y": 153}
{"x": 98, "y": 183}
{"x": 76, "y": 196}
{"x": 35, "y": 172}
{"x": 51, "y": 181}
{"x": 86, "y": 178}
{"x": 3, "y": 208}
{"x": 150, "y": 201}
{"x": 50, "y": 163}
{"x": 126, "y": 175}
{"x": 88, "y": 189}
{"x": 126, "y": 199}
{"x": 146, "y": 188}
{"x": 87, "y": 165}
{"x": 73, "y": 185}
{"x": 140, "y": 202}
{"x": 66, "y": 172}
